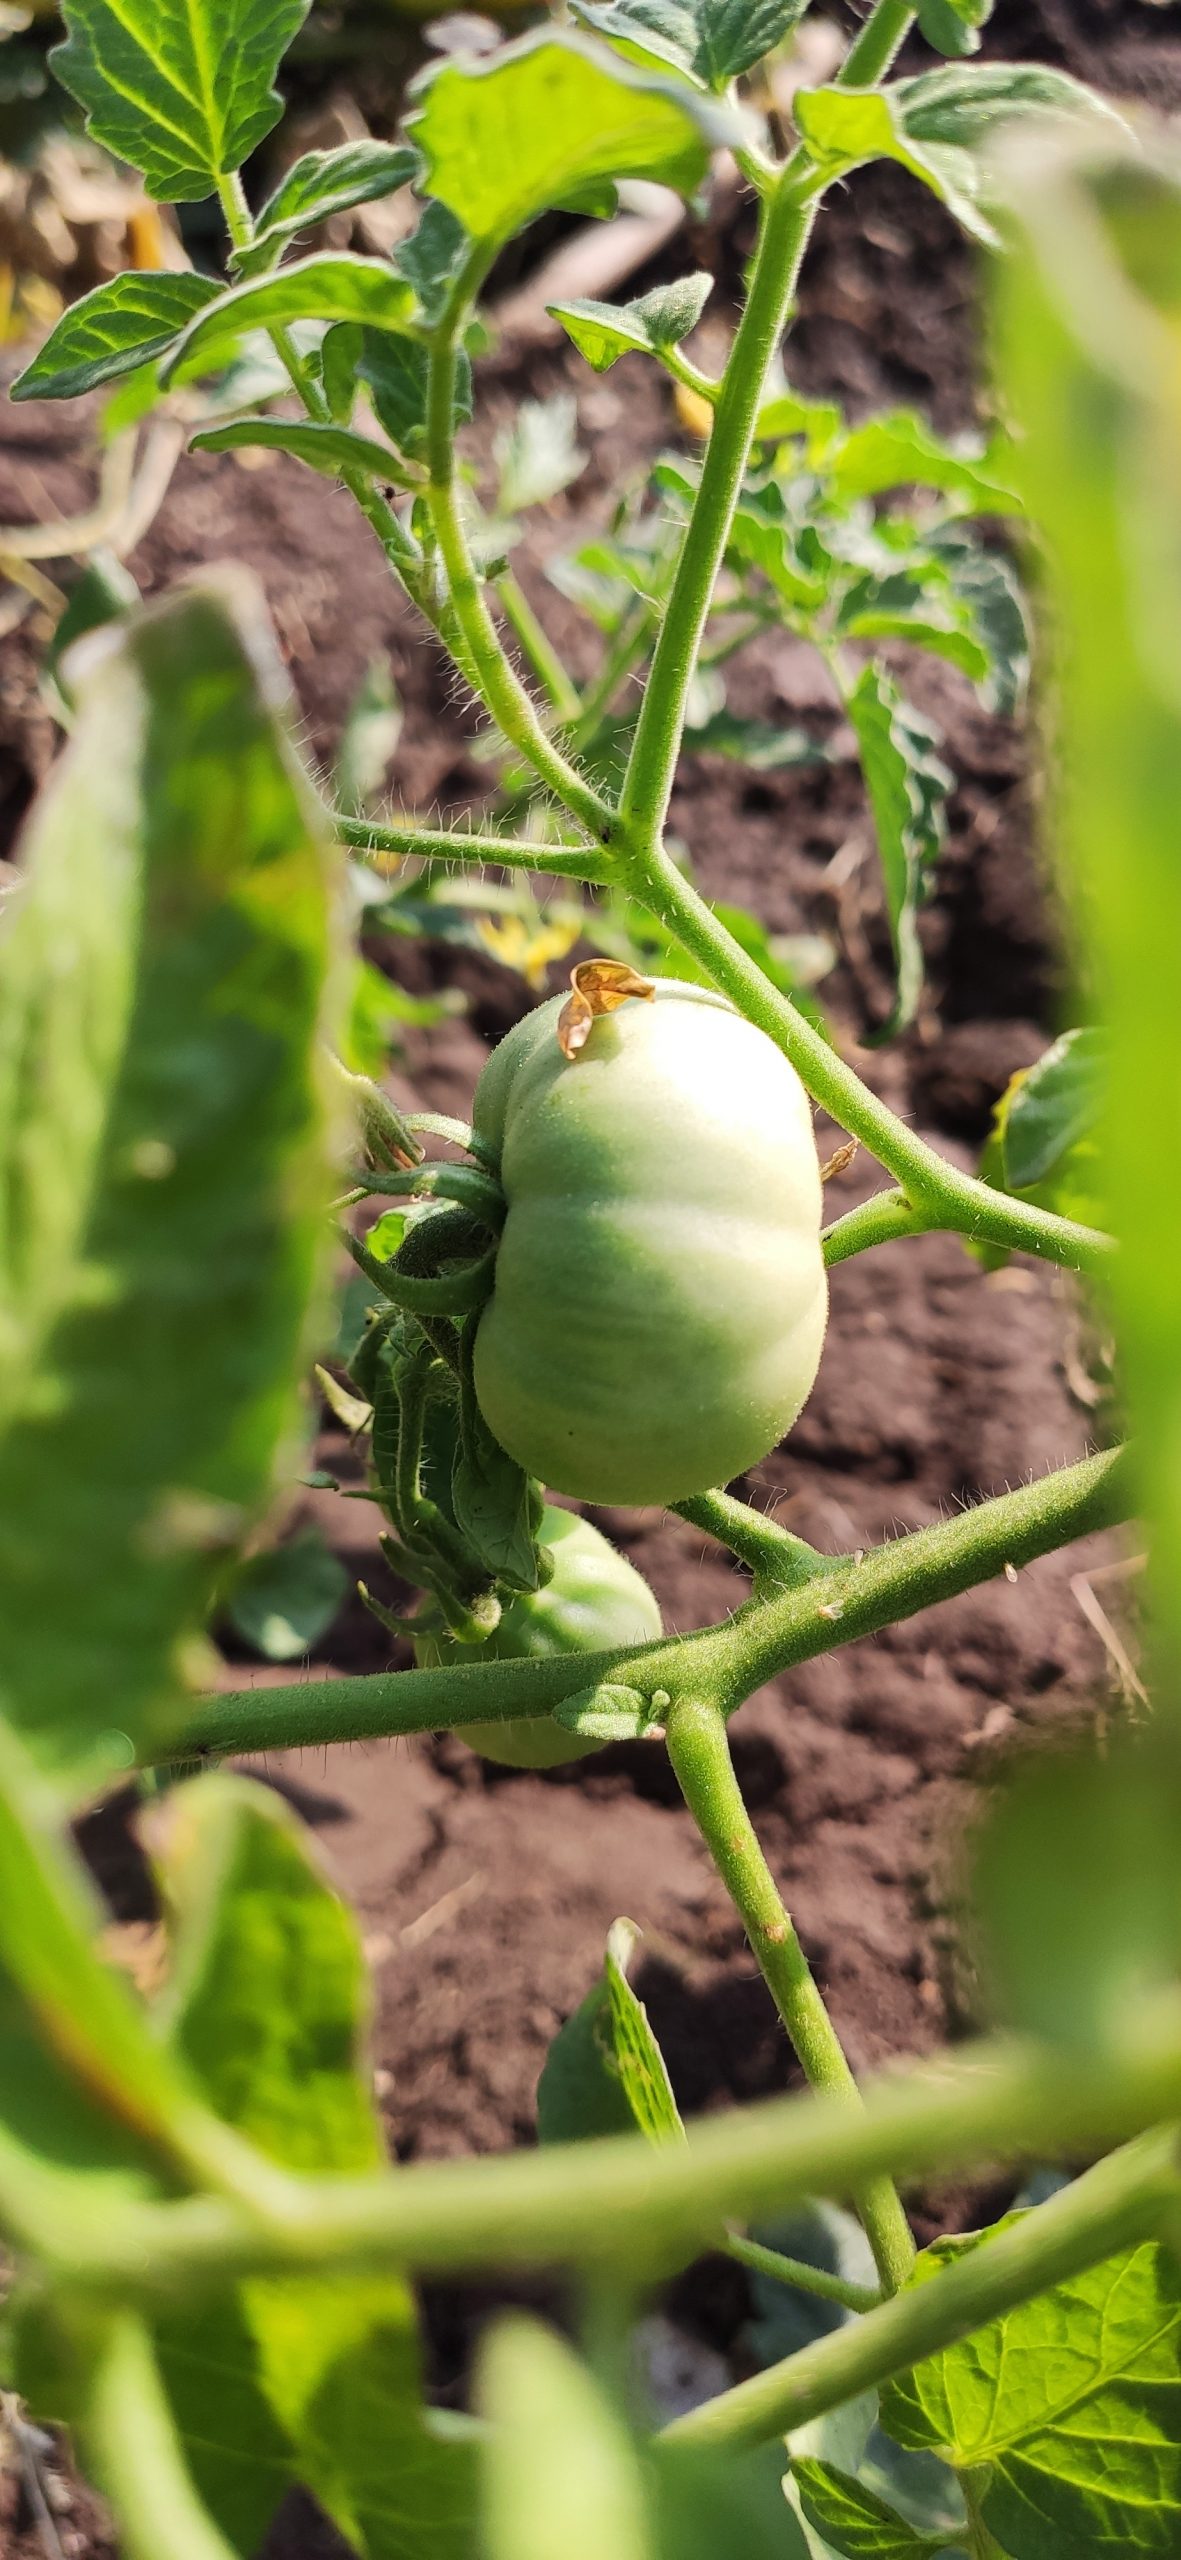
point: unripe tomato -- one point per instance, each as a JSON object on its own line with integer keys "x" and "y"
{"x": 660, "y": 1300}
{"x": 595, "y": 1600}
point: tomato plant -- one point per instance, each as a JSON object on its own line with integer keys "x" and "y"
{"x": 613, "y": 1285}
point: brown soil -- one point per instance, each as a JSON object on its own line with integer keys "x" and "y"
{"x": 485, "y": 1895}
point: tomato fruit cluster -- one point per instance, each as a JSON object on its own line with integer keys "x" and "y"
{"x": 596, "y": 1600}
{"x": 660, "y": 1302}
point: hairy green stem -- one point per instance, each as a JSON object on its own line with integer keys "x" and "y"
{"x": 772, "y": 1554}
{"x": 797, "y": 2273}
{"x": 625, "y": 2200}
{"x": 787, "y": 222}
{"x": 500, "y": 686}
{"x": 882, "y": 36}
{"x": 700, "y": 1753}
{"x": 407, "y": 839}
{"x": 128, "y": 2427}
{"x": 855, "y": 1597}
{"x": 1121, "y": 2201}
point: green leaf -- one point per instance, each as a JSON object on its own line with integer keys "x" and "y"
{"x": 538, "y": 455}
{"x": 398, "y": 2480}
{"x": 907, "y": 786}
{"x": 267, "y": 1998}
{"x": 104, "y": 592}
{"x": 1055, "y": 1102}
{"x": 986, "y": 587}
{"x": 332, "y": 287}
{"x": 604, "y": 331}
{"x": 1086, "y": 335}
{"x": 314, "y": 2379}
{"x": 713, "y": 2506}
{"x": 605, "y": 2072}
{"x": 962, "y": 106}
{"x": 579, "y": 2095}
{"x": 633, "y": 2052}
{"x": 508, "y": 135}
{"x": 180, "y": 88}
{"x": 320, "y": 184}
{"x": 495, "y": 1505}
{"x": 283, "y": 1600}
{"x": 608, "y": 1713}
{"x": 112, "y": 331}
{"x": 559, "y": 2470}
{"x": 431, "y": 257}
{"x": 330, "y": 450}
{"x": 88, "y": 2102}
{"x": 843, "y": 128}
{"x": 394, "y": 372}
{"x": 1077, "y": 1891}
{"x": 952, "y": 26}
{"x": 1072, "y": 2402}
{"x": 898, "y": 448}
{"x": 854, "y": 2520}
{"x": 753, "y": 743}
{"x": 164, "y": 1166}
{"x": 713, "y": 41}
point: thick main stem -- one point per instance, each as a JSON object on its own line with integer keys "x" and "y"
{"x": 855, "y": 1597}
{"x": 700, "y": 1754}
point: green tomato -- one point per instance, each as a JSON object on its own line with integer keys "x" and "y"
{"x": 660, "y": 1301}
{"x": 595, "y": 1600}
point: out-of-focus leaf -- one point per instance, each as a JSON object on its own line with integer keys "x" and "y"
{"x": 284, "y": 1599}
{"x": 114, "y": 330}
{"x": 1070, "y": 2406}
{"x": 312, "y": 2379}
{"x": 505, "y": 136}
{"x": 377, "y": 1005}
{"x": 897, "y": 448}
{"x": 267, "y": 1999}
{"x": 320, "y": 184}
{"x": 164, "y": 1163}
{"x": 1086, "y": 338}
{"x": 1077, "y": 1892}
{"x": 372, "y": 728}
{"x": 539, "y": 454}
{"x": 559, "y": 2471}
{"x": 604, "y": 331}
{"x": 103, "y": 593}
{"x": 754, "y": 743}
{"x": 907, "y": 786}
{"x": 184, "y": 92}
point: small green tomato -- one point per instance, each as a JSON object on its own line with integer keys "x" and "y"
{"x": 595, "y": 1600}
{"x": 660, "y": 1301}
